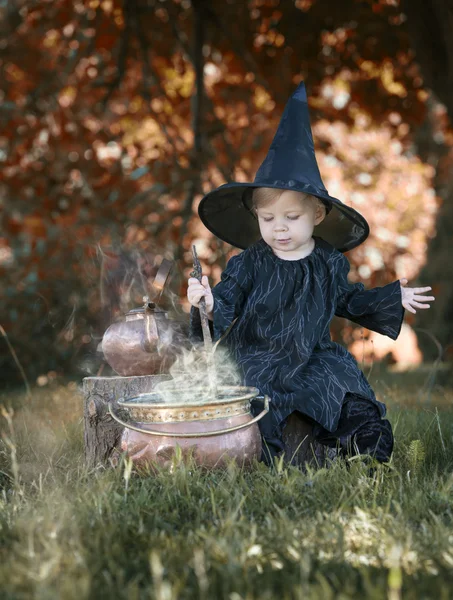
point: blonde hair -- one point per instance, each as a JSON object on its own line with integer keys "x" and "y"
{"x": 262, "y": 196}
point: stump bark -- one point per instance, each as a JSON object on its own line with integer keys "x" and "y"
{"x": 101, "y": 433}
{"x": 301, "y": 448}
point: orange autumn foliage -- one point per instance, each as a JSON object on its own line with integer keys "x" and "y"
{"x": 102, "y": 145}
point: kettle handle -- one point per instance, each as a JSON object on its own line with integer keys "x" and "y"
{"x": 174, "y": 434}
{"x": 151, "y": 336}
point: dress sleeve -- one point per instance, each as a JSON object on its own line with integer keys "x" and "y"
{"x": 229, "y": 298}
{"x": 379, "y": 309}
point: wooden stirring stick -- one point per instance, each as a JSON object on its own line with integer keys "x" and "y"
{"x": 197, "y": 272}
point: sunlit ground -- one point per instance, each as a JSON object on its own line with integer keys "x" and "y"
{"x": 66, "y": 532}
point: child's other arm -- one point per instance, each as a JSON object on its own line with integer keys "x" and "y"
{"x": 411, "y": 298}
{"x": 379, "y": 309}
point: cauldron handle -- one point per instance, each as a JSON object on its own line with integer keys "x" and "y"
{"x": 174, "y": 434}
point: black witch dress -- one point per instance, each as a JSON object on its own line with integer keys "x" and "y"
{"x": 281, "y": 340}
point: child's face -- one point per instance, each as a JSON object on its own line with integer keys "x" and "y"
{"x": 286, "y": 220}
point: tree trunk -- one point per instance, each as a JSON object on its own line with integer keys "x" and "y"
{"x": 301, "y": 449}
{"x": 430, "y": 24}
{"x": 102, "y": 434}
{"x": 434, "y": 327}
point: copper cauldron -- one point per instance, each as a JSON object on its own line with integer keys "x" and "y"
{"x": 214, "y": 432}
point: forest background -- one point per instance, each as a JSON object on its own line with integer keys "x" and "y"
{"x": 117, "y": 116}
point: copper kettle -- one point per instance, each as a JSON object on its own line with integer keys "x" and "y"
{"x": 145, "y": 341}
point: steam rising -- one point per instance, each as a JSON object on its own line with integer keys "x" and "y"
{"x": 126, "y": 277}
{"x": 190, "y": 377}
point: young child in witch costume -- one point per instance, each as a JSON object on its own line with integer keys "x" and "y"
{"x": 283, "y": 290}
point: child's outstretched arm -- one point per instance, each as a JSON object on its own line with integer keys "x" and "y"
{"x": 411, "y": 298}
{"x": 379, "y": 309}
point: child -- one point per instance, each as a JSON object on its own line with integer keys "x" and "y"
{"x": 281, "y": 293}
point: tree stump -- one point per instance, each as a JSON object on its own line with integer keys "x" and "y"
{"x": 101, "y": 433}
{"x": 301, "y": 449}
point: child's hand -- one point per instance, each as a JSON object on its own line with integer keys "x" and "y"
{"x": 411, "y": 297}
{"x": 197, "y": 290}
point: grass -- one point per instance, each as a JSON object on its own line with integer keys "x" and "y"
{"x": 68, "y": 532}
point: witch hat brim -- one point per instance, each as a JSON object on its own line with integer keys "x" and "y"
{"x": 290, "y": 164}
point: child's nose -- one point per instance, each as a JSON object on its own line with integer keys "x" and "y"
{"x": 280, "y": 226}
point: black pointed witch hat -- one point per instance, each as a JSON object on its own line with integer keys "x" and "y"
{"x": 290, "y": 164}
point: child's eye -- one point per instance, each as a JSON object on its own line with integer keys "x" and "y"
{"x": 294, "y": 218}
{"x": 267, "y": 219}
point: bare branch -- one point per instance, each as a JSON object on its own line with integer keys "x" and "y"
{"x": 196, "y": 105}
{"x": 122, "y": 54}
{"x": 237, "y": 48}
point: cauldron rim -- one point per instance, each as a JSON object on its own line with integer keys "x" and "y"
{"x": 242, "y": 393}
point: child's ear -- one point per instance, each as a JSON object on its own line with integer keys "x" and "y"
{"x": 320, "y": 213}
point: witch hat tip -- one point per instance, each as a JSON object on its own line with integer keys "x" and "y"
{"x": 300, "y": 93}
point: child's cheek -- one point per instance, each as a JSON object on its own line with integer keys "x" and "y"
{"x": 263, "y": 228}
